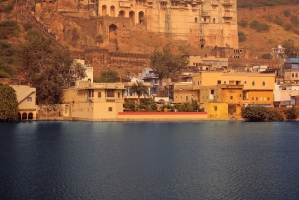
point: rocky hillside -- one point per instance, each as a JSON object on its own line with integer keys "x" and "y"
{"x": 275, "y": 24}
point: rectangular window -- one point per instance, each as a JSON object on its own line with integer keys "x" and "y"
{"x": 110, "y": 93}
{"x": 29, "y": 99}
{"x": 215, "y": 108}
{"x": 231, "y": 97}
{"x": 118, "y": 95}
{"x": 257, "y": 98}
{"x": 252, "y": 98}
{"x": 110, "y": 109}
{"x": 186, "y": 98}
{"x": 218, "y": 82}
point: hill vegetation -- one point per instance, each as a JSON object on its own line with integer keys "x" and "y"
{"x": 262, "y": 3}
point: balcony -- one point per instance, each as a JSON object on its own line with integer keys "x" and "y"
{"x": 227, "y": 3}
{"x": 205, "y": 14}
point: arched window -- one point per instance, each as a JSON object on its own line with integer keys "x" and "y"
{"x": 195, "y": 19}
{"x": 214, "y": 20}
{"x": 24, "y": 116}
{"x": 99, "y": 94}
{"x": 245, "y": 82}
{"x": 296, "y": 75}
{"x": 141, "y": 17}
{"x": 253, "y": 83}
{"x": 122, "y": 13}
{"x": 263, "y": 83}
{"x": 132, "y": 17}
{"x": 112, "y": 11}
{"x": 30, "y": 116}
{"x": 104, "y": 10}
{"x": 292, "y": 75}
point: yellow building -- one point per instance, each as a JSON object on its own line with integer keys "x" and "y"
{"x": 26, "y": 97}
{"x": 95, "y": 101}
{"x": 184, "y": 92}
{"x": 235, "y": 89}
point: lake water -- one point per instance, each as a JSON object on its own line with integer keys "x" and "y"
{"x": 119, "y": 160}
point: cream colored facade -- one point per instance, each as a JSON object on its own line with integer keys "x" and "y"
{"x": 95, "y": 101}
{"x": 26, "y": 97}
{"x": 200, "y": 22}
{"x": 235, "y": 89}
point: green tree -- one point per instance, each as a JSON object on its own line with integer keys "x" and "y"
{"x": 139, "y": 89}
{"x": 166, "y": 64}
{"x": 46, "y": 67}
{"x": 267, "y": 56}
{"x": 109, "y": 76}
{"x": 291, "y": 51}
{"x": 8, "y": 103}
{"x": 99, "y": 39}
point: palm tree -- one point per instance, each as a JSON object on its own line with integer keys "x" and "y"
{"x": 139, "y": 89}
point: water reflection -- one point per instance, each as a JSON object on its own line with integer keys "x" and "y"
{"x": 188, "y": 160}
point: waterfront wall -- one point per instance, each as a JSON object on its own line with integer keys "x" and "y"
{"x": 162, "y": 116}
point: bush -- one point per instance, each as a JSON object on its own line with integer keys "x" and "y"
{"x": 296, "y": 31}
{"x": 9, "y": 29}
{"x": 259, "y": 27}
{"x": 278, "y": 21}
{"x": 291, "y": 113}
{"x": 274, "y": 115}
{"x": 129, "y": 105}
{"x": 294, "y": 20}
{"x": 259, "y": 113}
{"x": 288, "y": 27}
{"x": 286, "y": 13}
{"x": 267, "y": 56}
{"x": 243, "y": 23}
{"x": 27, "y": 26}
{"x": 242, "y": 37}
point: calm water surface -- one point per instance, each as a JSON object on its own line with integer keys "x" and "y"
{"x": 112, "y": 160}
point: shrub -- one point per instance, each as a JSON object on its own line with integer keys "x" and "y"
{"x": 274, "y": 115}
{"x": 294, "y": 20}
{"x": 259, "y": 27}
{"x": 129, "y": 105}
{"x": 291, "y": 113}
{"x": 286, "y": 13}
{"x": 27, "y": 26}
{"x": 8, "y": 29}
{"x": 267, "y": 56}
{"x": 243, "y": 23}
{"x": 259, "y": 113}
{"x": 288, "y": 27}
{"x": 278, "y": 21}
{"x": 296, "y": 31}
{"x": 242, "y": 37}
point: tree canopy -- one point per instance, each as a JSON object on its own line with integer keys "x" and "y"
{"x": 46, "y": 67}
{"x": 8, "y": 103}
{"x": 7, "y": 59}
{"x": 108, "y": 76}
{"x": 166, "y": 64}
{"x": 139, "y": 89}
{"x": 291, "y": 51}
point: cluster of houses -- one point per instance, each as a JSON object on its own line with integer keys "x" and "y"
{"x": 220, "y": 92}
